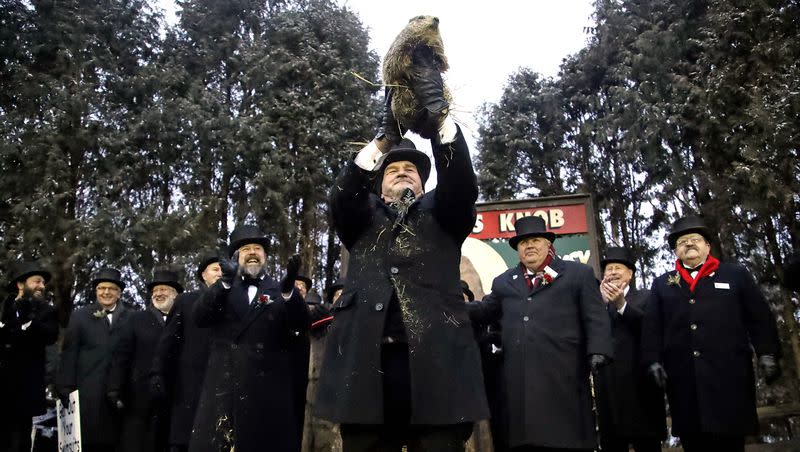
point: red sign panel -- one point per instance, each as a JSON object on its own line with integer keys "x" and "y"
{"x": 566, "y": 219}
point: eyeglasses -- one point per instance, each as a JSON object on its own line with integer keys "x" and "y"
{"x": 690, "y": 240}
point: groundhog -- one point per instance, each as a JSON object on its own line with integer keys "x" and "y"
{"x": 421, "y": 38}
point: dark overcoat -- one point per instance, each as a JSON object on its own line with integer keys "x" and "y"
{"x": 22, "y": 357}
{"x": 419, "y": 260}
{"x": 85, "y": 360}
{"x": 629, "y": 403}
{"x": 143, "y": 418}
{"x": 703, "y": 339}
{"x": 548, "y": 335}
{"x": 181, "y": 358}
{"x": 248, "y": 392}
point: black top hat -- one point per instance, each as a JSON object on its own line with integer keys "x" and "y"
{"x": 24, "y": 269}
{"x": 405, "y": 151}
{"x": 246, "y": 234}
{"x": 330, "y": 290}
{"x": 687, "y": 225}
{"x": 617, "y": 254}
{"x": 166, "y": 277}
{"x": 305, "y": 279}
{"x": 108, "y": 274}
{"x": 531, "y": 226}
{"x": 467, "y": 292}
{"x": 206, "y": 259}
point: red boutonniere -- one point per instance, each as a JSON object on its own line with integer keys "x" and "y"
{"x": 264, "y": 299}
{"x": 549, "y": 275}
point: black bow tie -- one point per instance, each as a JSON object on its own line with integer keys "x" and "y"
{"x": 248, "y": 281}
{"x": 107, "y": 312}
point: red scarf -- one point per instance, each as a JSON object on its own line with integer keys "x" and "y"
{"x": 710, "y": 266}
{"x": 540, "y": 275}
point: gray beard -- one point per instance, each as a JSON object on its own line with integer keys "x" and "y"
{"x": 254, "y": 271}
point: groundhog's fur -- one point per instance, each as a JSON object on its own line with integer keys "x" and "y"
{"x": 420, "y": 35}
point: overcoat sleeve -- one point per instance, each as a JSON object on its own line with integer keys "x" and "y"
{"x": 456, "y": 187}
{"x": 122, "y": 357}
{"x": 487, "y": 310}
{"x": 299, "y": 315}
{"x": 351, "y": 209}
{"x": 209, "y": 309}
{"x": 758, "y": 318}
{"x": 43, "y": 329}
{"x": 67, "y": 378}
{"x": 652, "y": 328}
{"x": 594, "y": 317}
{"x": 632, "y": 317}
{"x": 169, "y": 343}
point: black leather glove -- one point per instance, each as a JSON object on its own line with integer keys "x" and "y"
{"x": 292, "y": 270}
{"x": 770, "y": 368}
{"x": 428, "y": 89}
{"x": 229, "y": 267}
{"x": 658, "y": 374}
{"x": 389, "y": 129}
{"x": 158, "y": 389}
{"x": 597, "y": 361}
{"x": 63, "y": 396}
{"x": 116, "y": 402}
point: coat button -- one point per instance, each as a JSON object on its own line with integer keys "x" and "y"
{"x": 379, "y": 306}
{"x": 696, "y": 353}
{"x": 693, "y": 326}
{"x": 394, "y": 270}
{"x": 525, "y": 318}
{"x": 234, "y": 346}
{"x": 691, "y": 301}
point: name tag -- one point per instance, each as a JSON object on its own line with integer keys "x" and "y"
{"x": 722, "y": 285}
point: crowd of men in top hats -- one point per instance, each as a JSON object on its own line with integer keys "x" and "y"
{"x": 225, "y": 368}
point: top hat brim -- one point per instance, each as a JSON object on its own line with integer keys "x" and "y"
{"x": 625, "y": 262}
{"x": 513, "y": 241}
{"x": 672, "y": 238}
{"x": 119, "y": 283}
{"x": 236, "y": 244}
{"x": 174, "y": 284}
{"x": 204, "y": 265}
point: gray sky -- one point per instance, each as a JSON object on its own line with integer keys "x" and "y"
{"x": 485, "y": 42}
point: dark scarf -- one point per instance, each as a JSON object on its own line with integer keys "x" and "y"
{"x": 710, "y": 266}
{"x": 539, "y": 275}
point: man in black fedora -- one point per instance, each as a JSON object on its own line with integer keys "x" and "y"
{"x": 702, "y": 323}
{"x": 630, "y": 405}
{"x": 144, "y": 418}
{"x": 86, "y": 357}
{"x": 249, "y": 393}
{"x": 179, "y": 365}
{"x": 401, "y": 366}
{"x": 28, "y": 323}
{"x": 555, "y": 329}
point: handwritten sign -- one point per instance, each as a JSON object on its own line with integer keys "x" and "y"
{"x": 69, "y": 424}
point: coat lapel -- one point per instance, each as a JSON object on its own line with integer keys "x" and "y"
{"x": 517, "y": 280}
{"x": 557, "y": 265}
{"x": 256, "y": 309}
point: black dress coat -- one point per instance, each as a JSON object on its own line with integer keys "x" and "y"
{"x": 248, "y": 392}
{"x": 22, "y": 357}
{"x": 629, "y": 403}
{"x": 418, "y": 260}
{"x": 143, "y": 419}
{"x": 85, "y": 361}
{"x": 548, "y": 335}
{"x": 703, "y": 339}
{"x": 181, "y": 358}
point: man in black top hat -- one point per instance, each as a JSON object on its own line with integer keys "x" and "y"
{"x": 702, "y": 323}
{"x": 179, "y": 365}
{"x": 86, "y": 357}
{"x": 630, "y": 405}
{"x": 28, "y": 324}
{"x": 555, "y": 330}
{"x": 401, "y": 365}
{"x": 249, "y": 393}
{"x": 144, "y": 418}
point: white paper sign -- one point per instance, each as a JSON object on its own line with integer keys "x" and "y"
{"x": 69, "y": 425}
